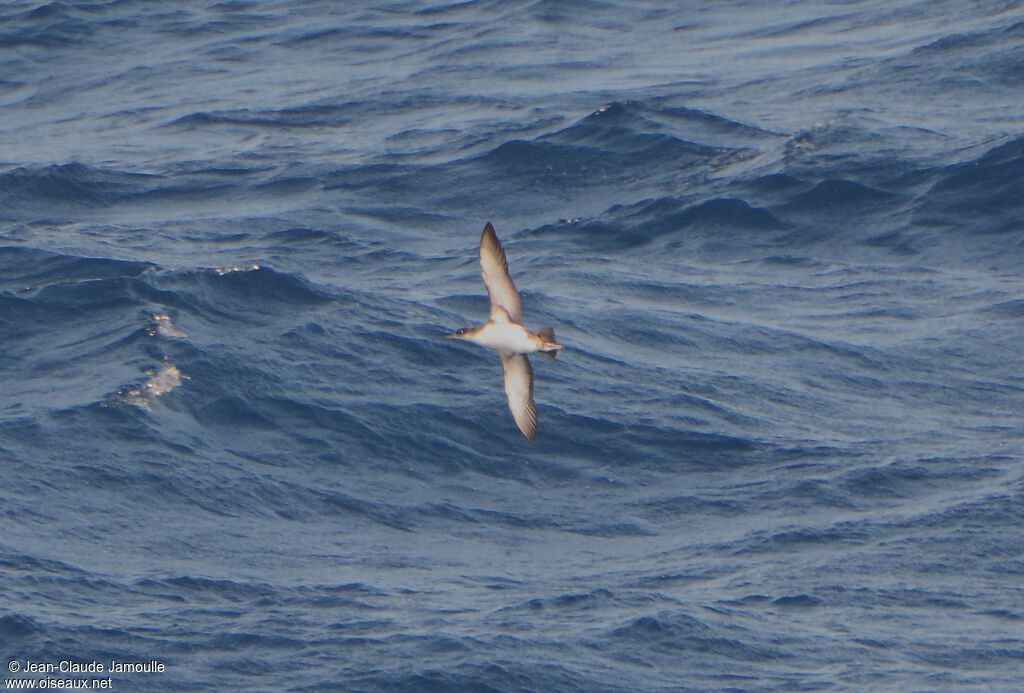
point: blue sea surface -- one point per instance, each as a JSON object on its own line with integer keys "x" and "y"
{"x": 782, "y": 242}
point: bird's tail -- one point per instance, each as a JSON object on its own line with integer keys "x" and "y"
{"x": 549, "y": 346}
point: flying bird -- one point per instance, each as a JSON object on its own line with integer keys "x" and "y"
{"x": 504, "y": 332}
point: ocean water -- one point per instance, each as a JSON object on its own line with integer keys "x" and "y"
{"x": 782, "y": 242}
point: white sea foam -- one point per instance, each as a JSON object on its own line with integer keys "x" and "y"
{"x": 163, "y": 326}
{"x": 161, "y": 381}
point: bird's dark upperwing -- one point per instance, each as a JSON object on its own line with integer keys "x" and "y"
{"x": 519, "y": 390}
{"x": 494, "y": 268}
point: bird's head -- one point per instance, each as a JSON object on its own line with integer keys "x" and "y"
{"x": 461, "y": 333}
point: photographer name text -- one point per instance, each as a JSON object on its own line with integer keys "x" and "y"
{"x": 66, "y": 666}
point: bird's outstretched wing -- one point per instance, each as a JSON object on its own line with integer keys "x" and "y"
{"x": 519, "y": 390}
{"x": 494, "y": 268}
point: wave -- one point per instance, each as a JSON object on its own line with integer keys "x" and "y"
{"x": 667, "y": 634}
{"x": 979, "y": 196}
{"x": 27, "y": 270}
{"x": 41, "y": 192}
{"x": 50, "y": 25}
{"x": 614, "y": 139}
{"x": 787, "y": 199}
{"x": 631, "y": 125}
{"x": 937, "y": 210}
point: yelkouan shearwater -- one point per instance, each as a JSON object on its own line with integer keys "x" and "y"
{"x": 504, "y": 332}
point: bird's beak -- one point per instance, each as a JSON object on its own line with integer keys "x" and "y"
{"x": 451, "y": 336}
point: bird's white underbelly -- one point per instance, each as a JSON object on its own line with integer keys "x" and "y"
{"x": 513, "y": 338}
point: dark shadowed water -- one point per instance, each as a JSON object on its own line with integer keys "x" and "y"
{"x": 783, "y": 244}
